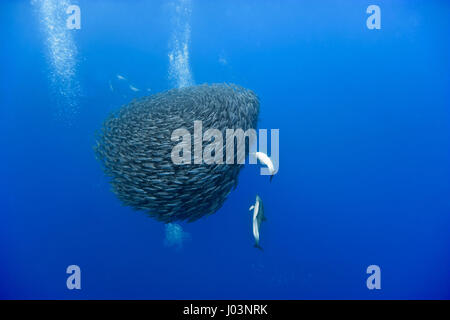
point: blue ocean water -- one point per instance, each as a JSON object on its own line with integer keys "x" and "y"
{"x": 364, "y": 174}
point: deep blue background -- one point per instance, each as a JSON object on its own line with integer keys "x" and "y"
{"x": 364, "y": 154}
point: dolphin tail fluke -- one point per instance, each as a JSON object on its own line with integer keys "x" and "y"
{"x": 258, "y": 246}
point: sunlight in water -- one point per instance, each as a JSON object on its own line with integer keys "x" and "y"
{"x": 62, "y": 54}
{"x": 179, "y": 69}
{"x": 175, "y": 236}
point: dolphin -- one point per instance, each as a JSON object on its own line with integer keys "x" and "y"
{"x": 258, "y": 218}
{"x": 264, "y": 159}
{"x": 120, "y": 77}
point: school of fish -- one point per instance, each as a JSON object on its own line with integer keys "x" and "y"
{"x": 134, "y": 146}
